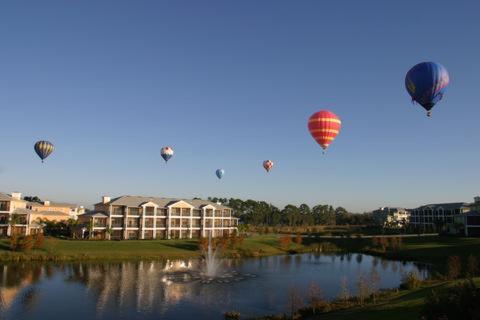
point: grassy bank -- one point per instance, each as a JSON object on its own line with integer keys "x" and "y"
{"x": 70, "y": 250}
{"x": 432, "y": 249}
{"x": 404, "y": 304}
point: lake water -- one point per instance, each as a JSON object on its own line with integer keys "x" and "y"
{"x": 171, "y": 289}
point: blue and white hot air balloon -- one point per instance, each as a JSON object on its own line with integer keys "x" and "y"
{"x": 166, "y": 153}
{"x": 426, "y": 83}
{"x": 220, "y": 173}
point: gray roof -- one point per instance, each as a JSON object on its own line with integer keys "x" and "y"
{"x": 136, "y": 201}
{"x": 22, "y": 211}
{"x": 445, "y": 206}
{"x": 7, "y": 197}
{"x": 55, "y": 204}
{"x": 96, "y": 214}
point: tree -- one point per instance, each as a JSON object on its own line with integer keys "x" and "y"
{"x": 472, "y": 266}
{"x": 454, "y": 267}
{"x": 374, "y": 283}
{"x": 295, "y": 301}
{"x": 32, "y": 199}
{"x": 362, "y": 288}
{"x": 344, "y": 295}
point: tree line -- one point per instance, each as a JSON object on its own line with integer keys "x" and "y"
{"x": 261, "y": 213}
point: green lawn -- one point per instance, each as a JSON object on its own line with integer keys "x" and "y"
{"x": 399, "y": 306}
{"x": 56, "y": 249}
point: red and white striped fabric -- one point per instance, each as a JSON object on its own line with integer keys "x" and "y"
{"x": 324, "y": 127}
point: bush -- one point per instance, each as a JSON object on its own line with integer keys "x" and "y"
{"x": 38, "y": 241}
{"x": 285, "y": 241}
{"x": 410, "y": 281}
{"x": 461, "y": 302}
{"x": 454, "y": 267}
{"x": 472, "y": 266}
{"x": 232, "y": 315}
{"x": 298, "y": 239}
{"x": 21, "y": 243}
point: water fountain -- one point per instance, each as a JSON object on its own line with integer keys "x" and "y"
{"x": 211, "y": 263}
{"x": 206, "y": 271}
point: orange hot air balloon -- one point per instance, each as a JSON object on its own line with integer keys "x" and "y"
{"x": 324, "y": 126}
{"x": 268, "y": 164}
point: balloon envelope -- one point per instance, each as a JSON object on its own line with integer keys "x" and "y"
{"x": 268, "y": 164}
{"x": 324, "y": 126}
{"x": 220, "y": 173}
{"x": 426, "y": 83}
{"x": 166, "y": 153}
{"x": 43, "y": 149}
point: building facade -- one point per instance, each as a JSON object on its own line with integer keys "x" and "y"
{"x": 391, "y": 217}
{"x": 71, "y": 209}
{"x": 18, "y": 218}
{"x": 437, "y": 216}
{"x": 135, "y": 217}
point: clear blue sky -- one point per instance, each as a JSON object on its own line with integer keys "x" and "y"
{"x": 229, "y": 84}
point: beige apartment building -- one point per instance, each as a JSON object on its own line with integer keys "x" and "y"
{"x": 135, "y": 217}
{"x": 20, "y": 217}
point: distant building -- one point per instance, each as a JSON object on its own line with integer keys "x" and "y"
{"x": 437, "y": 216}
{"x": 467, "y": 224}
{"x": 391, "y": 217}
{"x": 20, "y": 217}
{"x": 135, "y": 217}
{"x": 72, "y": 210}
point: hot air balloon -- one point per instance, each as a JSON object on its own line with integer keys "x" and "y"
{"x": 426, "y": 83}
{"x": 324, "y": 126}
{"x": 220, "y": 173}
{"x": 268, "y": 164}
{"x": 43, "y": 149}
{"x": 166, "y": 153}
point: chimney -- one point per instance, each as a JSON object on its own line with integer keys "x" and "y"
{"x": 17, "y": 195}
{"x": 46, "y": 203}
{"x": 105, "y": 199}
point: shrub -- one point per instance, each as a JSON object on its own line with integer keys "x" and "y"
{"x": 454, "y": 267}
{"x": 232, "y": 315}
{"x": 285, "y": 241}
{"x": 410, "y": 281}
{"x": 472, "y": 266}
{"x": 21, "y": 243}
{"x": 460, "y": 302}
{"x": 298, "y": 239}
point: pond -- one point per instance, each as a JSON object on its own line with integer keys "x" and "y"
{"x": 172, "y": 290}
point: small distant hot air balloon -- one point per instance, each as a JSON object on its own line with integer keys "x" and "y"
{"x": 268, "y": 164}
{"x": 324, "y": 126}
{"x": 166, "y": 153}
{"x": 220, "y": 173}
{"x": 426, "y": 83}
{"x": 43, "y": 149}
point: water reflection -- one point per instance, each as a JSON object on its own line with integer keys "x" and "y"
{"x": 174, "y": 289}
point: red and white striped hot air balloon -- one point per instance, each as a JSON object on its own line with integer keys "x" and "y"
{"x": 324, "y": 126}
{"x": 268, "y": 164}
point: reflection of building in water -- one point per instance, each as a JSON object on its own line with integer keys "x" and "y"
{"x": 144, "y": 286}
{"x": 16, "y": 285}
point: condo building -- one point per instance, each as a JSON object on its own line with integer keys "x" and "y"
{"x": 136, "y": 217}
{"x": 391, "y": 217}
{"x": 438, "y": 215}
{"x": 20, "y": 217}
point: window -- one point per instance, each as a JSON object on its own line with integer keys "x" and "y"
{"x": 4, "y": 206}
{"x": 161, "y": 212}
{"x": 149, "y": 211}
{"x": 133, "y": 211}
{"x": 196, "y": 212}
{"x": 176, "y": 211}
{"x": 149, "y": 223}
{"x": 161, "y": 222}
{"x": 160, "y": 234}
{"x": 133, "y": 222}
{"x": 209, "y": 213}
{"x": 117, "y": 222}
{"x": 185, "y": 212}
{"x": 117, "y": 210}
{"x": 185, "y": 223}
